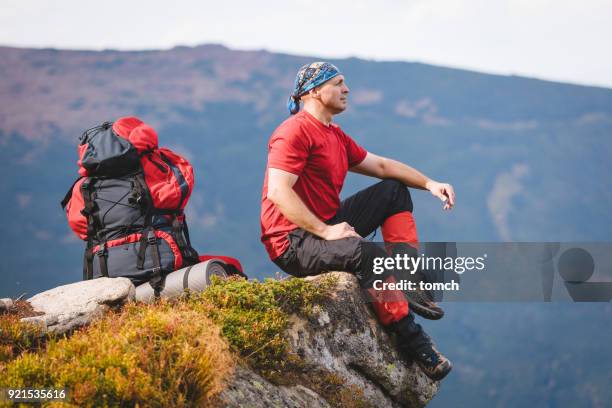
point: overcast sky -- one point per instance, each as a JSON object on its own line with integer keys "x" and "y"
{"x": 559, "y": 40}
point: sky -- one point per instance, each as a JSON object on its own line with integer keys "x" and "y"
{"x": 558, "y": 40}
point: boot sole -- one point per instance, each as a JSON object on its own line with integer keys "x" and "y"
{"x": 424, "y": 311}
{"x": 439, "y": 375}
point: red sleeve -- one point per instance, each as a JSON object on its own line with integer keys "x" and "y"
{"x": 288, "y": 149}
{"x": 355, "y": 153}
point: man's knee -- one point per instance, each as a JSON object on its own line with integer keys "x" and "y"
{"x": 308, "y": 255}
{"x": 397, "y": 194}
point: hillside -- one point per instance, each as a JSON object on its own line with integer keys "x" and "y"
{"x": 547, "y": 143}
{"x": 529, "y": 159}
{"x": 290, "y": 343}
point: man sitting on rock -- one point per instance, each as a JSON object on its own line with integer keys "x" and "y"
{"x": 308, "y": 231}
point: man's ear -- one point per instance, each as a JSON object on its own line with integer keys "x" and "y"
{"x": 315, "y": 92}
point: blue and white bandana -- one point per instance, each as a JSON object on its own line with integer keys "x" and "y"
{"x": 308, "y": 77}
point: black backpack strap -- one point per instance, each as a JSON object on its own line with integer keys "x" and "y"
{"x": 141, "y": 252}
{"x": 186, "y": 278}
{"x": 88, "y": 213}
{"x": 88, "y": 263}
{"x": 157, "y": 280}
{"x": 181, "y": 237}
{"x": 68, "y": 195}
{"x": 143, "y": 197}
{"x": 149, "y": 239}
{"x": 184, "y": 243}
{"x": 101, "y": 254}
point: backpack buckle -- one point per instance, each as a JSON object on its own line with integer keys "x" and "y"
{"x": 101, "y": 250}
{"x": 151, "y": 238}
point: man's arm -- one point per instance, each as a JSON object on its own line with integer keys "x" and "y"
{"x": 384, "y": 168}
{"x": 281, "y": 193}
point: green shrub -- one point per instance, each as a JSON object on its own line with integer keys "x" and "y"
{"x": 253, "y": 316}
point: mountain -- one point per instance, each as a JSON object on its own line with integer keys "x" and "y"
{"x": 529, "y": 159}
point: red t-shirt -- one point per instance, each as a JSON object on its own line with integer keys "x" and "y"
{"x": 320, "y": 156}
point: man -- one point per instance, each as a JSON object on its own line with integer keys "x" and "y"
{"x": 307, "y": 230}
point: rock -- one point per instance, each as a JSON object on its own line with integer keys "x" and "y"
{"x": 6, "y": 304}
{"x": 343, "y": 338}
{"x": 71, "y": 306}
{"x": 340, "y": 344}
{"x": 248, "y": 389}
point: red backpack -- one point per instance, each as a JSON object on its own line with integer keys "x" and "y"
{"x": 128, "y": 203}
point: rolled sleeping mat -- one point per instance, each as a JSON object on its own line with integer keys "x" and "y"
{"x": 194, "y": 278}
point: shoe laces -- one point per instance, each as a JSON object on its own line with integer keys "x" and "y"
{"x": 429, "y": 355}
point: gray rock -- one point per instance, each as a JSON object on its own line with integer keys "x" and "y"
{"x": 71, "y": 306}
{"x": 343, "y": 338}
{"x": 6, "y": 304}
{"x": 249, "y": 390}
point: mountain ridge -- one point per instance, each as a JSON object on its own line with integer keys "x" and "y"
{"x": 529, "y": 160}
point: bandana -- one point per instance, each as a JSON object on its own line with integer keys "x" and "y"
{"x": 308, "y": 77}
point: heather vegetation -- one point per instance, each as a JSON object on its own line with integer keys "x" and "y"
{"x": 171, "y": 353}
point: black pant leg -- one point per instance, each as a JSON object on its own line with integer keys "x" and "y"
{"x": 368, "y": 209}
{"x": 309, "y": 255}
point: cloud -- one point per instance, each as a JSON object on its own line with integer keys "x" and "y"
{"x": 43, "y": 235}
{"x": 506, "y": 187}
{"x": 424, "y": 108}
{"x": 366, "y": 96}
{"x": 198, "y": 216}
{"x": 70, "y": 238}
{"x": 23, "y": 199}
{"x": 515, "y": 125}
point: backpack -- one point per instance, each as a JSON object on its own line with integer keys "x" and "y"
{"x": 128, "y": 204}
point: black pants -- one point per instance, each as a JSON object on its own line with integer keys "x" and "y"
{"x": 366, "y": 210}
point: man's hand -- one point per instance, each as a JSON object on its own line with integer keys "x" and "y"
{"x": 281, "y": 193}
{"x": 443, "y": 191}
{"x": 384, "y": 168}
{"x": 339, "y": 231}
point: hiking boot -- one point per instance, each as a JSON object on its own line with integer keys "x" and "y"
{"x": 421, "y": 302}
{"x": 432, "y": 362}
{"x": 414, "y": 344}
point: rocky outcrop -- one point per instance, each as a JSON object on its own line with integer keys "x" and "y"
{"x": 68, "y": 307}
{"x": 340, "y": 344}
{"x": 248, "y": 389}
{"x": 342, "y": 338}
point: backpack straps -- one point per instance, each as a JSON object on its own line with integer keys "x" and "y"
{"x": 93, "y": 224}
{"x": 141, "y": 190}
{"x": 87, "y": 212}
{"x": 148, "y": 238}
{"x": 101, "y": 253}
{"x": 157, "y": 281}
{"x": 182, "y": 240}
